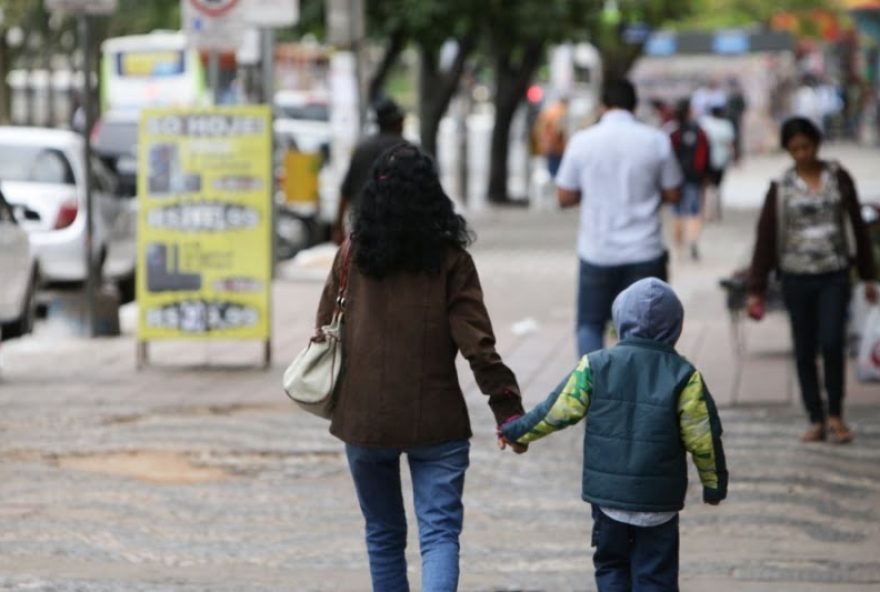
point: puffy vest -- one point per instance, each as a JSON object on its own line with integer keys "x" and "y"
{"x": 634, "y": 458}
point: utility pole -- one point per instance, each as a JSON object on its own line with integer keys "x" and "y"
{"x": 84, "y": 24}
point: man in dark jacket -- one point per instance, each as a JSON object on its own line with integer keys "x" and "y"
{"x": 389, "y": 118}
{"x": 646, "y": 406}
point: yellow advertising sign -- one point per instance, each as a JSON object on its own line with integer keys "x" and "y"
{"x": 301, "y": 171}
{"x": 204, "y": 223}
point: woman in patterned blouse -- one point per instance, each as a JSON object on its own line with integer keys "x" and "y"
{"x": 811, "y": 231}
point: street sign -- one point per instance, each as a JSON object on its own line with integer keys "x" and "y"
{"x": 214, "y": 8}
{"x": 82, "y": 6}
{"x": 214, "y": 25}
{"x": 272, "y": 13}
{"x": 345, "y": 22}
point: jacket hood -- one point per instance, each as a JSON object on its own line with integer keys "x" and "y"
{"x": 648, "y": 309}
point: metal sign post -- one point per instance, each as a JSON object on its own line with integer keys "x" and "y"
{"x": 91, "y": 275}
{"x": 84, "y": 9}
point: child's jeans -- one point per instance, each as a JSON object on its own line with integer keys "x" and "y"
{"x": 635, "y": 558}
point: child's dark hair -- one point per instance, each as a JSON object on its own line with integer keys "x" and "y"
{"x": 405, "y": 220}
{"x": 799, "y": 126}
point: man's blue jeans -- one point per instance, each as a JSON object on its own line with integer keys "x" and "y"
{"x": 598, "y": 286}
{"x": 635, "y": 558}
{"x": 438, "y": 482}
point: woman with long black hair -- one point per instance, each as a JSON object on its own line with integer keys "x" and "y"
{"x": 413, "y": 301}
{"x": 809, "y": 228}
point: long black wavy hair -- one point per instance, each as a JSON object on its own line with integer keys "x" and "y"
{"x": 405, "y": 221}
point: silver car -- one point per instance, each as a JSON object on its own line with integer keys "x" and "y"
{"x": 18, "y": 268}
{"x": 42, "y": 174}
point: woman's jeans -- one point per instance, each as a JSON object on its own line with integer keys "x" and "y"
{"x": 635, "y": 558}
{"x": 817, "y": 305}
{"x": 438, "y": 482}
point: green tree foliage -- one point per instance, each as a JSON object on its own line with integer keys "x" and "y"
{"x": 142, "y": 16}
{"x": 714, "y": 14}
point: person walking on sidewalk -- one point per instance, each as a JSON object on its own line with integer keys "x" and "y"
{"x": 645, "y": 406}
{"x": 413, "y": 302}
{"x": 619, "y": 171}
{"x": 691, "y": 145}
{"x": 809, "y": 225}
{"x": 722, "y": 137}
{"x": 389, "y": 118}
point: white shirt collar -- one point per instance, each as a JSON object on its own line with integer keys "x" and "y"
{"x": 618, "y": 115}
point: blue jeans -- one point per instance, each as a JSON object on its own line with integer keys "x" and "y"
{"x": 635, "y": 558}
{"x": 598, "y": 286}
{"x": 438, "y": 482}
{"x": 690, "y": 204}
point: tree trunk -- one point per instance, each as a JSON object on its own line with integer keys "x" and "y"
{"x": 437, "y": 88}
{"x": 512, "y": 83}
{"x": 617, "y": 61}
{"x": 5, "y": 107}
{"x": 395, "y": 47}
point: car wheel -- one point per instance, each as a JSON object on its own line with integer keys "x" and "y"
{"x": 25, "y": 323}
{"x": 127, "y": 287}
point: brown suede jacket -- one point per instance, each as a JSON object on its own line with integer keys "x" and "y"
{"x": 401, "y": 335}
{"x": 766, "y": 259}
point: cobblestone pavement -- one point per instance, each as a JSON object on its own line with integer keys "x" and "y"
{"x": 196, "y": 475}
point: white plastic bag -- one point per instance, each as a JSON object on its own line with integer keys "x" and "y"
{"x": 868, "y": 364}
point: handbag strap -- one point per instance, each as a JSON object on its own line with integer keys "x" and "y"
{"x": 343, "y": 276}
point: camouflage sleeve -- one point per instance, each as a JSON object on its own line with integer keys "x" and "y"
{"x": 701, "y": 435}
{"x": 565, "y": 406}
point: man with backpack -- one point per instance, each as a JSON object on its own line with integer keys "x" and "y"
{"x": 691, "y": 146}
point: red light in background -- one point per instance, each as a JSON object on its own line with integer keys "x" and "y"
{"x": 535, "y": 94}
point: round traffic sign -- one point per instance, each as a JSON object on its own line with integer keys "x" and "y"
{"x": 214, "y": 8}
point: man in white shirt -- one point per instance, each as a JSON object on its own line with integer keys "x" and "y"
{"x": 620, "y": 172}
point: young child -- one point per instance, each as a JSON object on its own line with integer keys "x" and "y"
{"x": 645, "y": 406}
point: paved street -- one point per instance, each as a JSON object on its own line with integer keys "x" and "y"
{"x": 196, "y": 474}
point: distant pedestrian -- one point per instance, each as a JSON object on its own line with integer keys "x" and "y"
{"x": 551, "y": 133}
{"x": 692, "y": 149}
{"x": 807, "y": 102}
{"x": 645, "y": 407}
{"x": 619, "y": 171}
{"x": 706, "y": 97}
{"x": 389, "y": 118}
{"x": 722, "y": 140}
{"x": 804, "y": 232}
{"x": 735, "y": 110}
{"x": 413, "y": 302}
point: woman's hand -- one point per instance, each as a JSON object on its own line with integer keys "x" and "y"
{"x": 515, "y": 446}
{"x": 755, "y": 306}
{"x": 871, "y": 293}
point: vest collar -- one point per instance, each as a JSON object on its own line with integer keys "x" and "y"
{"x": 647, "y": 344}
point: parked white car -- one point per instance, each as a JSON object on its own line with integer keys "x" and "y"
{"x": 42, "y": 174}
{"x": 18, "y": 268}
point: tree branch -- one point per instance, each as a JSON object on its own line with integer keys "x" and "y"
{"x": 392, "y": 52}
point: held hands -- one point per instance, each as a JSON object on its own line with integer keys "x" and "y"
{"x": 515, "y": 446}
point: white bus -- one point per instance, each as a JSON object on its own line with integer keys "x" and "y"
{"x": 153, "y": 70}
